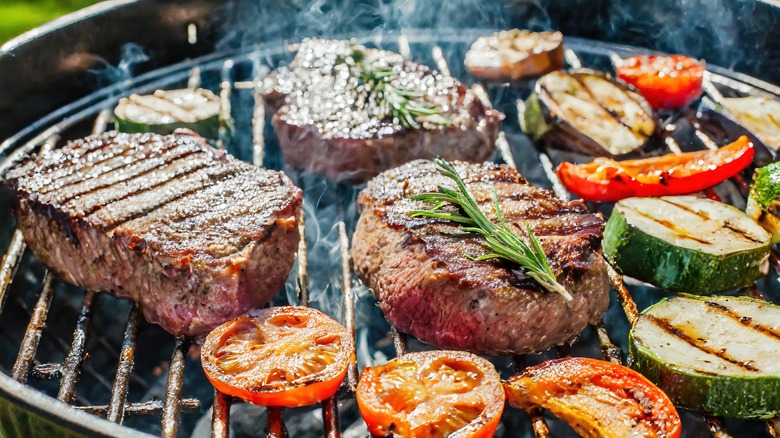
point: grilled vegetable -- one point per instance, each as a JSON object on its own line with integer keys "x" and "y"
{"x": 586, "y": 112}
{"x": 597, "y": 398}
{"x": 432, "y": 394}
{"x": 165, "y": 111}
{"x": 279, "y": 356}
{"x": 607, "y": 180}
{"x": 515, "y": 54}
{"x": 716, "y": 355}
{"x": 667, "y": 82}
{"x": 763, "y": 203}
{"x": 685, "y": 243}
{"x": 759, "y": 115}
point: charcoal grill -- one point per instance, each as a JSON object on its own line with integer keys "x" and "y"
{"x": 124, "y": 377}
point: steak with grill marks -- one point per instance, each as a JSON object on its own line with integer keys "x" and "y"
{"x": 418, "y": 269}
{"x": 191, "y": 234}
{"x": 332, "y": 120}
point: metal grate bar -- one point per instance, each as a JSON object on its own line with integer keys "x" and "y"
{"x": 258, "y": 127}
{"x": 403, "y": 47}
{"x": 10, "y": 264}
{"x": 101, "y": 122}
{"x": 482, "y": 95}
{"x": 276, "y": 428}
{"x": 440, "y": 61}
{"x": 506, "y": 152}
{"x": 330, "y": 418}
{"x": 673, "y": 146}
{"x": 302, "y": 281}
{"x": 572, "y": 59}
{"x": 70, "y": 368}
{"x": 615, "y": 59}
{"x": 711, "y": 89}
{"x": 609, "y": 351}
{"x": 225, "y": 88}
{"x": 194, "y": 78}
{"x": 32, "y": 336}
{"x": 549, "y": 170}
{"x": 172, "y": 407}
{"x": 624, "y": 296}
{"x": 399, "y": 341}
{"x": 116, "y": 407}
{"x": 349, "y": 299}
{"x": 220, "y": 415}
{"x": 706, "y": 140}
{"x": 151, "y": 407}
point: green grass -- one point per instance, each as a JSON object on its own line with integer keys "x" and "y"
{"x": 18, "y": 16}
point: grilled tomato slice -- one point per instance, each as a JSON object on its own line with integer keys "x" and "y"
{"x": 667, "y": 82}
{"x": 432, "y": 394}
{"x": 279, "y": 356}
{"x": 596, "y": 398}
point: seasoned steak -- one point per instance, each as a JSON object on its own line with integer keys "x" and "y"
{"x": 335, "y": 118}
{"x": 191, "y": 234}
{"x": 426, "y": 286}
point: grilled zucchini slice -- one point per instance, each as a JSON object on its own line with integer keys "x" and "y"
{"x": 586, "y": 112}
{"x": 164, "y": 111}
{"x": 763, "y": 203}
{"x": 686, "y": 244}
{"x": 759, "y": 115}
{"x": 716, "y": 355}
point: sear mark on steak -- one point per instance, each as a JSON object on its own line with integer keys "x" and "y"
{"x": 191, "y": 234}
{"x": 329, "y": 121}
{"x": 428, "y": 288}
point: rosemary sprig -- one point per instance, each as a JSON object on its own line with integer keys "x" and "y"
{"x": 499, "y": 237}
{"x": 405, "y": 106}
{"x": 398, "y": 103}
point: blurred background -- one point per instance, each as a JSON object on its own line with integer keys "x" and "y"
{"x": 19, "y": 16}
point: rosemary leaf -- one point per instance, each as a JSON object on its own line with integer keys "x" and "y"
{"x": 404, "y": 106}
{"x": 499, "y": 237}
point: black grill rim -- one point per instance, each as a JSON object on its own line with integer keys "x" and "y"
{"x": 42, "y": 405}
{"x": 39, "y": 404}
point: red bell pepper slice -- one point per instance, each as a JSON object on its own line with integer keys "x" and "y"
{"x": 607, "y": 180}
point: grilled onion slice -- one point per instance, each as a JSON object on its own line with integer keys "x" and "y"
{"x": 515, "y": 54}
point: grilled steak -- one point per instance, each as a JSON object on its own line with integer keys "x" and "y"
{"x": 337, "y": 117}
{"x": 191, "y": 234}
{"x": 427, "y": 287}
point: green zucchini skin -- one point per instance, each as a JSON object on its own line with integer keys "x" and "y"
{"x": 721, "y": 396}
{"x": 208, "y": 128}
{"x": 655, "y": 261}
